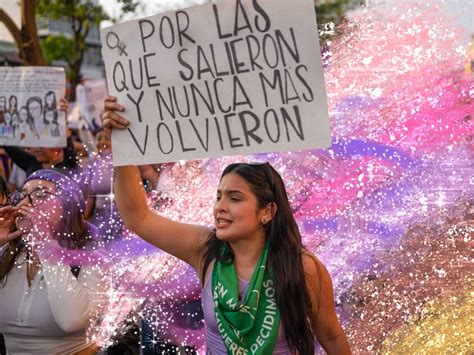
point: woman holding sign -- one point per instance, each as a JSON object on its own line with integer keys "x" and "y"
{"x": 262, "y": 291}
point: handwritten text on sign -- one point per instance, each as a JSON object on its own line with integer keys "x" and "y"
{"x": 230, "y": 78}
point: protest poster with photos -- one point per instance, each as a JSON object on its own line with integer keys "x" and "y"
{"x": 231, "y": 77}
{"x": 29, "y": 112}
{"x": 90, "y": 97}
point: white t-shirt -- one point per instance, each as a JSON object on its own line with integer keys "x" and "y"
{"x": 51, "y": 316}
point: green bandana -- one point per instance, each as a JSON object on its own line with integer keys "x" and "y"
{"x": 250, "y": 327}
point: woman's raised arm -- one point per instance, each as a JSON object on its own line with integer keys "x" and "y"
{"x": 185, "y": 241}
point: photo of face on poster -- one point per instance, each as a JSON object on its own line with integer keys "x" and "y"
{"x": 29, "y": 114}
{"x": 90, "y": 96}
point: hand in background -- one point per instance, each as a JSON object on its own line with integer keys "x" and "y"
{"x": 7, "y": 222}
{"x": 63, "y": 105}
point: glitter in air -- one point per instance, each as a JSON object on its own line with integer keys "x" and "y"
{"x": 388, "y": 207}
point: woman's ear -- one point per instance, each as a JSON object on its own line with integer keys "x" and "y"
{"x": 269, "y": 213}
{"x": 273, "y": 209}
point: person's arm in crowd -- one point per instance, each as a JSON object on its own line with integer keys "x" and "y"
{"x": 73, "y": 301}
{"x": 184, "y": 241}
{"x": 24, "y": 160}
{"x": 70, "y": 157}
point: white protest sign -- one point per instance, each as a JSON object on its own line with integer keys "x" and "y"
{"x": 234, "y": 77}
{"x": 90, "y": 97}
{"x": 29, "y": 115}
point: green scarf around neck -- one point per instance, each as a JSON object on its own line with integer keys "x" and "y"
{"x": 251, "y": 327}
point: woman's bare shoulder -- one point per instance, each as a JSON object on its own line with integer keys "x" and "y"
{"x": 314, "y": 268}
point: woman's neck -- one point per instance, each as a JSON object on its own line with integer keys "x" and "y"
{"x": 246, "y": 254}
{"x": 33, "y": 264}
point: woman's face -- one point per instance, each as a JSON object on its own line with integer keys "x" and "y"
{"x": 35, "y": 109}
{"x": 23, "y": 114}
{"x": 236, "y": 212}
{"x": 42, "y": 210}
{"x": 103, "y": 143}
{"x": 13, "y": 101}
{"x": 49, "y": 99}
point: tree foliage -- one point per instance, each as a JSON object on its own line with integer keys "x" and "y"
{"x": 25, "y": 35}
{"x": 57, "y": 48}
{"x": 127, "y": 7}
{"x": 330, "y": 14}
{"x": 82, "y": 15}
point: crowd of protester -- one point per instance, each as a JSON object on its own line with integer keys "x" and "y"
{"x": 90, "y": 170}
{"x": 48, "y": 305}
